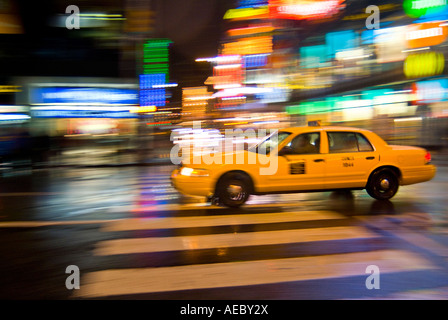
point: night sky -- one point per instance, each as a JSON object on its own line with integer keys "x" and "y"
{"x": 194, "y": 26}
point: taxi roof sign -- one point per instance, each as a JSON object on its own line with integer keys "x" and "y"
{"x": 315, "y": 123}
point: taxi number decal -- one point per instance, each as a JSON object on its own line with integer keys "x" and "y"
{"x": 297, "y": 168}
{"x": 347, "y": 164}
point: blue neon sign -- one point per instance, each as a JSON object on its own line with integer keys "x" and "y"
{"x": 82, "y": 114}
{"x": 83, "y": 95}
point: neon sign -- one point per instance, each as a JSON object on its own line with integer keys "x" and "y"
{"x": 424, "y": 64}
{"x": 303, "y": 9}
{"x": 50, "y": 95}
{"x": 81, "y": 114}
{"x": 431, "y": 90}
{"x": 156, "y": 56}
{"x": 143, "y": 109}
{"x": 426, "y": 35}
{"x": 228, "y": 75}
{"x": 247, "y": 13}
{"x": 418, "y": 8}
{"x": 251, "y": 45}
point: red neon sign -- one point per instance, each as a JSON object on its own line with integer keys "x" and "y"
{"x": 304, "y": 9}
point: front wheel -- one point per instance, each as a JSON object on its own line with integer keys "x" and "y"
{"x": 233, "y": 189}
{"x": 383, "y": 184}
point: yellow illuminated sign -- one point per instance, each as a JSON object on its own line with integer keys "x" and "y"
{"x": 10, "y": 89}
{"x": 143, "y": 109}
{"x": 246, "y": 13}
{"x": 424, "y": 64}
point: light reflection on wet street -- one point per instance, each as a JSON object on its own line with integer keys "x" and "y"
{"x": 133, "y": 236}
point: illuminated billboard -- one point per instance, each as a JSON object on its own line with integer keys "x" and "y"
{"x": 418, "y": 8}
{"x": 426, "y": 34}
{"x": 430, "y": 91}
{"x": 84, "y": 96}
{"x": 228, "y": 75}
{"x": 82, "y": 102}
{"x": 304, "y": 9}
{"x": 250, "y": 45}
{"x": 424, "y": 64}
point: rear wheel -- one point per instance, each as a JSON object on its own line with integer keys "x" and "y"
{"x": 383, "y": 184}
{"x": 233, "y": 189}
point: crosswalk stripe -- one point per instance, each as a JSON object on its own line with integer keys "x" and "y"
{"x": 233, "y": 274}
{"x": 146, "y": 245}
{"x": 438, "y": 293}
{"x": 419, "y": 240}
{"x": 218, "y": 220}
{"x": 204, "y": 206}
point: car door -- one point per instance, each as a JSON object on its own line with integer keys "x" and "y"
{"x": 300, "y": 167}
{"x": 350, "y": 159}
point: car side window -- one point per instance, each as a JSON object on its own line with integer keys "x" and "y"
{"x": 363, "y": 144}
{"x": 342, "y": 142}
{"x": 306, "y": 143}
{"x": 348, "y": 142}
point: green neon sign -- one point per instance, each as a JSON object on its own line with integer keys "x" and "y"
{"x": 156, "y": 56}
{"x": 418, "y": 8}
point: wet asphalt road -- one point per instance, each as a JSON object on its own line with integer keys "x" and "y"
{"x": 134, "y": 237}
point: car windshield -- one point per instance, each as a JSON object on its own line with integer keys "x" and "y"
{"x": 269, "y": 143}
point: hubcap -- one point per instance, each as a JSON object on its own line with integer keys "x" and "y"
{"x": 384, "y": 183}
{"x": 235, "y": 192}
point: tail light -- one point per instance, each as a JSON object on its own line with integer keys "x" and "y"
{"x": 427, "y": 157}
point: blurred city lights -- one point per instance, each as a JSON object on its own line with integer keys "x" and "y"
{"x": 296, "y": 61}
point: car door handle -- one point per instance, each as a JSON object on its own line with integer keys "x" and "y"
{"x": 370, "y": 158}
{"x": 319, "y": 160}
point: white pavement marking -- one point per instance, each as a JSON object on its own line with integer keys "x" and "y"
{"x": 438, "y": 293}
{"x": 218, "y": 220}
{"x": 206, "y": 206}
{"x": 232, "y": 274}
{"x": 145, "y": 245}
{"x": 418, "y": 239}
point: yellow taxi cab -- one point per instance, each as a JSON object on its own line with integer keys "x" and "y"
{"x": 304, "y": 159}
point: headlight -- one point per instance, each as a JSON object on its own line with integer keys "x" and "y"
{"x": 190, "y": 172}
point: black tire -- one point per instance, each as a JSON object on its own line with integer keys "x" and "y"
{"x": 383, "y": 184}
{"x": 233, "y": 189}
